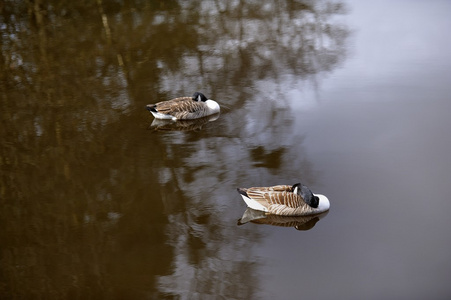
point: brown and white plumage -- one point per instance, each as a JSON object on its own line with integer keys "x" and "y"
{"x": 184, "y": 108}
{"x": 285, "y": 200}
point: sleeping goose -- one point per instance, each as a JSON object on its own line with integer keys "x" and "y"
{"x": 285, "y": 200}
{"x": 184, "y": 108}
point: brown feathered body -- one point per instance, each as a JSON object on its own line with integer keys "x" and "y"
{"x": 183, "y": 108}
{"x": 278, "y": 200}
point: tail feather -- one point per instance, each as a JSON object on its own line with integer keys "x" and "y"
{"x": 252, "y": 203}
{"x": 242, "y": 191}
{"x": 151, "y": 108}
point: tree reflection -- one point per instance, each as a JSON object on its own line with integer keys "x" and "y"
{"x": 91, "y": 207}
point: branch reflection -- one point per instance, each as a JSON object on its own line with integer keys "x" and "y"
{"x": 94, "y": 206}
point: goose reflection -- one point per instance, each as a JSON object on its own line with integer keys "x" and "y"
{"x": 182, "y": 125}
{"x": 302, "y": 223}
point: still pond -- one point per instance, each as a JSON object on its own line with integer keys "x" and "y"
{"x": 351, "y": 98}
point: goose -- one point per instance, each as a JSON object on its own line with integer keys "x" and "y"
{"x": 184, "y": 108}
{"x": 285, "y": 200}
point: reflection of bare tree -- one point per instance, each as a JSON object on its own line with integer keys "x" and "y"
{"x": 259, "y": 42}
{"x": 92, "y": 207}
{"x": 253, "y": 46}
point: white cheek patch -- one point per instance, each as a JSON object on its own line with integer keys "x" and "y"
{"x": 213, "y": 106}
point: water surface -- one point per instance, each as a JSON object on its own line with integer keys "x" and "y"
{"x": 350, "y": 98}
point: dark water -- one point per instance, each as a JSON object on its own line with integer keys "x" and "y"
{"x": 351, "y": 98}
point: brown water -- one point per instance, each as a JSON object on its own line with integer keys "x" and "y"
{"x": 351, "y": 98}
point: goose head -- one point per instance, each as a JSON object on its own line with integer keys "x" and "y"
{"x": 306, "y": 194}
{"x": 199, "y": 97}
